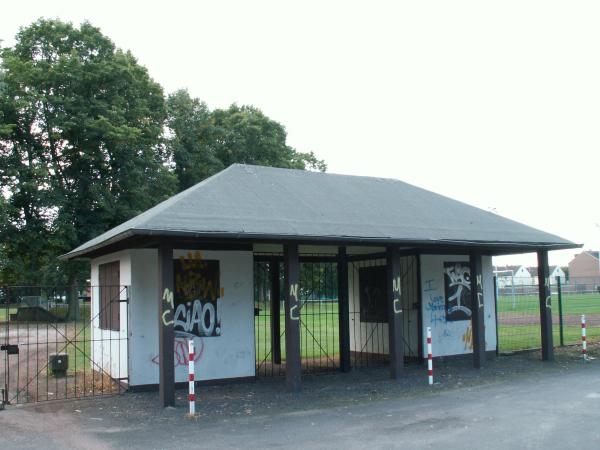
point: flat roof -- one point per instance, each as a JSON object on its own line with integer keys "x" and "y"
{"x": 245, "y": 202}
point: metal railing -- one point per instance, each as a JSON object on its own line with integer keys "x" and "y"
{"x": 518, "y": 312}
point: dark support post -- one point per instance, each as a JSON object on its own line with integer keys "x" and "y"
{"x": 344, "y": 310}
{"x": 275, "y": 312}
{"x": 293, "y": 368}
{"x": 545, "y": 306}
{"x": 166, "y": 337}
{"x": 560, "y": 312}
{"x": 477, "y": 310}
{"x": 395, "y": 314}
{"x": 496, "y": 309}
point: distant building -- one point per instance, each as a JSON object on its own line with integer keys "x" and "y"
{"x": 557, "y": 272}
{"x": 513, "y": 276}
{"x": 584, "y": 268}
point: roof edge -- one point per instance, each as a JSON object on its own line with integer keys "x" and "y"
{"x": 81, "y": 253}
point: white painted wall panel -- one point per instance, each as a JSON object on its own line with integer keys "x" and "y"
{"x": 109, "y": 347}
{"x": 229, "y": 355}
{"x": 453, "y": 338}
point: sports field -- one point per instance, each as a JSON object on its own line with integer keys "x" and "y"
{"x": 518, "y": 319}
{"x": 518, "y": 325}
{"x": 319, "y": 331}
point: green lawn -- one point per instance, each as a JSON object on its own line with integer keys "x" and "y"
{"x": 319, "y": 332}
{"x": 518, "y": 320}
{"x": 5, "y": 312}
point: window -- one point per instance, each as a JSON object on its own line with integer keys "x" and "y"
{"x": 373, "y": 294}
{"x": 110, "y": 295}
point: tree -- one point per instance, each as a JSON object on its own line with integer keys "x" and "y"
{"x": 87, "y": 141}
{"x": 80, "y": 145}
{"x": 204, "y": 142}
{"x": 191, "y": 140}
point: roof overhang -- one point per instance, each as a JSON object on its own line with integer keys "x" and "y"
{"x": 145, "y": 238}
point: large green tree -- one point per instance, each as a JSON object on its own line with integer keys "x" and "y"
{"x": 81, "y": 124}
{"x": 203, "y": 142}
{"x": 87, "y": 141}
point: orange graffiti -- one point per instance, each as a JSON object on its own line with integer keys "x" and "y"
{"x": 190, "y": 282}
{"x": 467, "y": 338}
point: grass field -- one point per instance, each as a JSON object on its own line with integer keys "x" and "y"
{"x": 518, "y": 325}
{"x": 319, "y": 331}
{"x": 518, "y": 320}
{"x": 5, "y": 312}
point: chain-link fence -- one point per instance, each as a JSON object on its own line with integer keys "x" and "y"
{"x": 518, "y": 309}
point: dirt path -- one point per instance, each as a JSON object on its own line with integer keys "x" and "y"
{"x": 29, "y": 376}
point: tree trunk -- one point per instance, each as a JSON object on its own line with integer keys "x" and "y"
{"x": 73, "y": 300}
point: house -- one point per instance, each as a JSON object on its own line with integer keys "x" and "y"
{"x": 508, "y": 276}
{"x": 401, "y": 261}
{"x": 584, "y": 269}
{"x": 556, "y": 272}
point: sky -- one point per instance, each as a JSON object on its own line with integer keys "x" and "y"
{"x": 496, "y": 104}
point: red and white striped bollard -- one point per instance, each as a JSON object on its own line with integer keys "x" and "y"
{"x": 583, "y": 338}
{"x": 191, "y": 371}
{"x": 429, "y": 356}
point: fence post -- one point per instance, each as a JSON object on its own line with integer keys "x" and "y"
{"x": 429, "y": 357}
{"x": 191, "y": 378}
{"x": 560, "y": 313}
{"x": 583, "y": 339}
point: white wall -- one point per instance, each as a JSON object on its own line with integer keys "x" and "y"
{"x": 557, "y": 272}
{"x": 453, "y": 338}
{"x": 229, "y": 355}
{"x": 109, "y": 348}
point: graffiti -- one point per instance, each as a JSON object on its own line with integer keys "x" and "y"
{"x": 548, "y": 298}
{"x": 429, "y": 285}
{"x": 396, "y": 290}
{"x": 467, "y": 338}
{"x": 168, "y": 298}
{"x": 479, "y": 292}
{"x": 197, "y": 318}
{"x": 197, "y": 290}
{"x": 436, "y": 308}
{"x": 294, "y": 302}
{"x": 181, "y": 353}
{"x": 457, "y": 284}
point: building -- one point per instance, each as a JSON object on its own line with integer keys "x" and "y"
{"x": 508, "y": 276}
{"x": 584, "y": 268}
{"x": 556, "y": 273}
{"x": 405, "y": 260}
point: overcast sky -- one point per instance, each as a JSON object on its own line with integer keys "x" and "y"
{"x": 496, "y": 104}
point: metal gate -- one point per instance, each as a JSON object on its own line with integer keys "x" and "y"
{"x": 369, "y": 340}
{"x": 319, "y": 317}
{"x": 63, "y": 343}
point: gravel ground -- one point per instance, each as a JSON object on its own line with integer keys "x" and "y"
{"x": 229, "y": 407}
